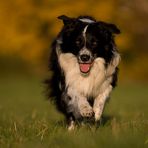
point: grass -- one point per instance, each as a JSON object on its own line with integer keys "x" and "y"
{"x": 28, "y": 120}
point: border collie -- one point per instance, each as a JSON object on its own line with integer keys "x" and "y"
{"x": 84, "y": 61}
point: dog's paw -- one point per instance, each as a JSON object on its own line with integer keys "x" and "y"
{"x": 86, "y": 111}
{"x": 71, "y": 126}
{"x": 98, "y": 114}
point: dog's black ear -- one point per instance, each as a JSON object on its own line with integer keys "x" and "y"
{"x": 111, "y": 27}
{"x": 66, "y": 20}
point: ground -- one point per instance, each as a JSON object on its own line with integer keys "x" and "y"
{"x": 27, "y": 119}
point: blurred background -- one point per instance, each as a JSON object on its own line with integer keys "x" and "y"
{"x": 27, "y": 28}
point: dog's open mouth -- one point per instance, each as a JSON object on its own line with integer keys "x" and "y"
{"x": 85, "y": 67}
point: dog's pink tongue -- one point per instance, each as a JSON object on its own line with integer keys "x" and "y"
{"x": 85, "y": 67}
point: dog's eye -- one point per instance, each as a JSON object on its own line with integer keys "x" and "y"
{"x": 78, "y": 42}
{"x": 94, "y": 43}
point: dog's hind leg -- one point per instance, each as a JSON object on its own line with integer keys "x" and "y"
{"x": 71, "y": 124}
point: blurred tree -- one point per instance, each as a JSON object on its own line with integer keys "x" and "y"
{"x": 27, "y": 28}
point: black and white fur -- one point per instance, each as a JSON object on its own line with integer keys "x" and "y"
{"x": 84, "y": 62}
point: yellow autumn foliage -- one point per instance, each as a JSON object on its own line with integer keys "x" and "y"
{"x": 20, "y": 23}
{"x": 27, "y": 27}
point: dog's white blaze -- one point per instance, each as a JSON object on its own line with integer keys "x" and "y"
{"x": 84, "y": 31}
{"x": 84, "y": 34}
{"x": 84, "y": 50}
{"x": 85, "y": 85}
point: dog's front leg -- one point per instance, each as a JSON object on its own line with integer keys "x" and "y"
{"x": 85, "y": 109}
{"x": 80, "y": 104}
{"x": 100, "y": 102}
{"x": 79, "y": 107}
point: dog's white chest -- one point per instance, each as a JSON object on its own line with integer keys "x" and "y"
{"x": 85, "y": 85}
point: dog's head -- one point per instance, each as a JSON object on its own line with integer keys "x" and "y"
{"x": 87, "y": 39}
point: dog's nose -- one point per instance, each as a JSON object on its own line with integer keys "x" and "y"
{"x": 85, "y": 57}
